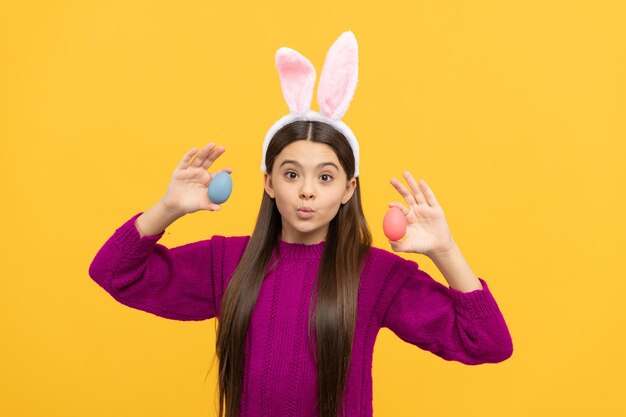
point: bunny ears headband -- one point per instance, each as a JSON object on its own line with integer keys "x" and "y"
{"x": 334, "y": 93}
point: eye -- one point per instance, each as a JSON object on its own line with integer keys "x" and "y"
{"x": 323, "y": 175}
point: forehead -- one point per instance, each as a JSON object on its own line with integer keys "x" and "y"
{"x": 308, "y": 154}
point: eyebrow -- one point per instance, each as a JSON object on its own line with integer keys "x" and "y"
{"x": 291, "y": 161}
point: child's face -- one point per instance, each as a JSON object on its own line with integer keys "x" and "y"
{"x": 302, "y": 183}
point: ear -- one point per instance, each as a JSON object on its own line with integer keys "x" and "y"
{"x": 269, "y": 189}
{"x": 349, "y": 191}
{"x": 339, "y": 76}
{"x": 297, "y": 78}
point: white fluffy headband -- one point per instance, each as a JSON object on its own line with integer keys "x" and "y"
{"x": 334, "y": 93}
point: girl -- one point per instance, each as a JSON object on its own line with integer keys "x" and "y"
{"x": 300, "y": 301}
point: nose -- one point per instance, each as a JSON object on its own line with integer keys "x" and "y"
{"x": 307, "y": 189}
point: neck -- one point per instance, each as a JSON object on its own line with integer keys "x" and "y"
{"x": 300, "y": 250}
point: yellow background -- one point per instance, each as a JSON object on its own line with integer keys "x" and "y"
{"x": 512, "y": 111}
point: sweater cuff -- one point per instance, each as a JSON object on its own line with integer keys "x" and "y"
{"x": 475, "y": 304}
{"x": 129, "y": 240}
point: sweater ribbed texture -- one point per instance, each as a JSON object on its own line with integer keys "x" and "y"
{"x": 187, "y": 283}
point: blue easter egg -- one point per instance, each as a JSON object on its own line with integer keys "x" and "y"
{"x": 220, "y": 187}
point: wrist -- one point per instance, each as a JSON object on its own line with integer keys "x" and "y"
{"x": 444, "y": 252}
{"x": 169, "y": 211}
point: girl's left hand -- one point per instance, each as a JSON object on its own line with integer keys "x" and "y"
{"x": 427, "y": 230}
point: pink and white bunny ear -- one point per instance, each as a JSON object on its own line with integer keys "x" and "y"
{"x": 297, "y": 78}
{"x": 339, "y": 76}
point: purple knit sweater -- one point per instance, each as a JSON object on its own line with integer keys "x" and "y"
{"x": 187, "y": 283}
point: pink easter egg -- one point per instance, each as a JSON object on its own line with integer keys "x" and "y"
{"x": 394, "y": 224}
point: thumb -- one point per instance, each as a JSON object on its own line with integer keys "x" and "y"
{"x": 211, "y": 206}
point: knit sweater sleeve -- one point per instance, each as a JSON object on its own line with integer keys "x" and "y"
{"x": 467, "y": 327}
{"x": 181, "y": 283}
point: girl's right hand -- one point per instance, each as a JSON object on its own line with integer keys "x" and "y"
{"x": 188, "y": 189}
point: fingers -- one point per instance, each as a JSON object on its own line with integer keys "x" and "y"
{"x": 200, "y": 157}
{"x": 408, "y": 196}
{"x": 212, "y": 156}
{"x": 430, "y": 196}
{"x": 421, "y": 192}
{"x": 416, "y": 188}
{"x": 204, "y": 158}
{"x": 185, "y": 161}
{"x": 404, "y": 210}
{"x": 227, "y": 169}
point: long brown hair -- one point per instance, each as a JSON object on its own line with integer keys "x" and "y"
{"x": 336, "y": 287}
